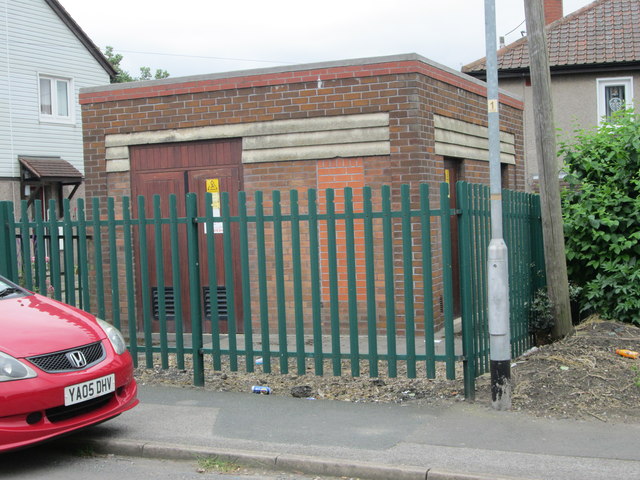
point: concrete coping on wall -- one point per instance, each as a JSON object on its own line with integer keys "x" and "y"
{"x": 319, "y": 71}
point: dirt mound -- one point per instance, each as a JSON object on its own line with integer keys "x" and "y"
{"x": 580, "y": 376}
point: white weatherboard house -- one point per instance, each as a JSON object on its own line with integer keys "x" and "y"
{"x": 46, "y": 59}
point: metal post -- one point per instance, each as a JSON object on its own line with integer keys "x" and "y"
{"x": 498, "y": 278}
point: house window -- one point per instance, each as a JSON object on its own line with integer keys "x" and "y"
{"x": 56, "y": 99}
{"x": 613, "y": 94}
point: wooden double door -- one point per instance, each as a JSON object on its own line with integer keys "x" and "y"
{"x": 179, "y": 169}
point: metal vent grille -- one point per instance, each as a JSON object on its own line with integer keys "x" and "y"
{"x": 59, "y": 362}
{"x": 169, "y": 303}
{"x": 223, "y": 314}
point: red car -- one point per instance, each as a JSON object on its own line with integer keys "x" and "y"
{"x": 61, "y": 369}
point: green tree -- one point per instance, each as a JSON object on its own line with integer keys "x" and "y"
{"x": 123, "y": 76}
{"x": 601, "y": 211}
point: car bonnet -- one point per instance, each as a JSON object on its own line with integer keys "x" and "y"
{"x": 34, "y": 325}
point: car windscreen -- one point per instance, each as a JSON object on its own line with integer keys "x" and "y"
{"x": 8, "y": 289}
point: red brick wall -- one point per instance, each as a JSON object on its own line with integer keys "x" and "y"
{"x": 338, "y": 174}
{"x": 411, "y": 92}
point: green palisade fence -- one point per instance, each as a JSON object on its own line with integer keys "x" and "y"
{"x": 304, "y": 281}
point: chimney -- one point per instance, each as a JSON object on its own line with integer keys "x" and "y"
{"x": 552, "y": 11}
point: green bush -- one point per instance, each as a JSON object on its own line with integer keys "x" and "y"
{"x": 601, "y": 210}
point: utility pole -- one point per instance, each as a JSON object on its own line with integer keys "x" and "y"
{"x": 497, "y": 266}
{"x": 552, "y": 225}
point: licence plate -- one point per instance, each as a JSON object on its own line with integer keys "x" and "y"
{"x": 87, "y": 390}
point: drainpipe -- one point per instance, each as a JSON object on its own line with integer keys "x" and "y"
{"x": 497, "y": 266}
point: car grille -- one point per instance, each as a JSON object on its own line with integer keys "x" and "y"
{"x": 59, "y": 414}
{"x": 59, "y": 362}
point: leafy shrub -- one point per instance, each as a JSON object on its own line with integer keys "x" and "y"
{"x": 541, "y": 317}
{"x": 601, "y": 210}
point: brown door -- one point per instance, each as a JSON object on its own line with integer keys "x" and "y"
{"x": 179, "y": 169}
{"x": 163, "y": 184}
{"x": 451, "y": 176}
{"x": 228, "y": 181}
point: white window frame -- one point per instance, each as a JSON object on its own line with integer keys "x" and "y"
{"x": 602, "y": 83}
{"x": 55, "y": 116}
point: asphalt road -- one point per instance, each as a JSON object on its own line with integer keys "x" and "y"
{"x": 50, "y": 462}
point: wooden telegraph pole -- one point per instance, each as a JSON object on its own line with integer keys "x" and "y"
{"x": 552, "y": 226}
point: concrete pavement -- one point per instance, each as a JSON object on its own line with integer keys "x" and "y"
{"x": 369, "y": 441}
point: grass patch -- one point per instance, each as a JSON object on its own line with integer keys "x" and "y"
{"x": 215, "y": 464}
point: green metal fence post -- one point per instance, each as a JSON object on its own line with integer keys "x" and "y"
{"x": 372, "y": 331}
{"x": 297, "y": 281}
{"x": 262, "y": 284}
{"x": 83, "y": 259}
{"x": 128, "y": 266}
{"x": 55, "y": 277}
{"x": 160, "y": 283}
{"x": 407, "y": 267}
{"x": 97, "y": 260}
{"x": 246, "y": 280}
{"x": 176, "y": 279}
{"x": 13, "y": 252}
{"x": 144, "y": 281}
{"x": 445, "y": 226}
{"x": 69, "y": 267}
{"x": 332, "y": 260}
{"x": 352, "y": 287}
{"x": 5, "y": 240}
{"x": 283, "y": 350}
{"x": 314, "y": 260}
{"x": 39, "y": 251}
{"x": 229, "y": 272}
{"x": 389, "y": 281}
{"x": 25, "y": 245}
{"x": 212, "y": 277}
{"x": 466, "y": 287}
{"x": 8, "y": 239}
{"x": 193, "y": 257}
{"x": 114, "y": 263}
{"x": 427, "y": 281}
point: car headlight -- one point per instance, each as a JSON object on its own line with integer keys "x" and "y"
{"x": 13, "y": 369}
{"x": 114, "y": 335}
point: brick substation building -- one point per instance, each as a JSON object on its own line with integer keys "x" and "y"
{"x": 376, "y": 121}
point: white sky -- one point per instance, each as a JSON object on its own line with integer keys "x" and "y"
{"x": 192, "y": 37}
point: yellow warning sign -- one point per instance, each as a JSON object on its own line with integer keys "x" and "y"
{"x": 213, "y": 185}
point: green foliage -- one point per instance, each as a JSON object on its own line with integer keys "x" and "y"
{"x": 145, "y": 74}
{"x": 601, "y": 210}
{"x": 541, "y": 317}
{"x": 124, "y": 76}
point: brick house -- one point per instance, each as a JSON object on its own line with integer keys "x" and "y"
{"x": 594, "y": 58}
{"x": 374, "y": 121}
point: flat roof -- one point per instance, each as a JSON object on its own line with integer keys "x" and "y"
{"x": 310, "y": 72}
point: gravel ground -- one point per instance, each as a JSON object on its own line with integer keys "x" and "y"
{"x": 579, "y": 377}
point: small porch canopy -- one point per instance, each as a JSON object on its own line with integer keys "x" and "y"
{"x": 40, "y": 172}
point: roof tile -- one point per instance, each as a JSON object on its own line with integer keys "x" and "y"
{"x": 605, "y": 31}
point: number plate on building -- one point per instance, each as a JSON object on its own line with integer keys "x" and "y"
{"x": 87, "y": 390}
